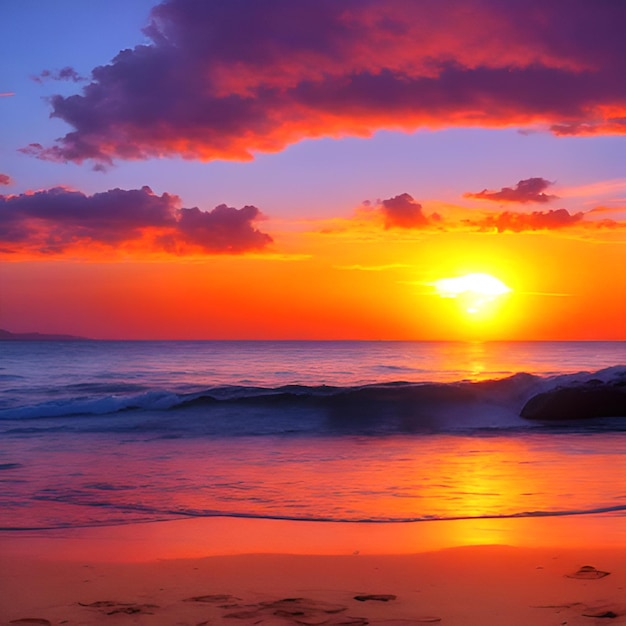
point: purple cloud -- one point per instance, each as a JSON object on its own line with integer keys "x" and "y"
{"x": 65, "y": 73}
{"x": 227, "y": 79}
{"x": 224, "y": 229}
{"x": 403, "y": 212}
{"x": 518, "y": 222}
{"x": 55, "y": 220}
{"x": 528, "y": 190}
{"x": 5, "y": 179}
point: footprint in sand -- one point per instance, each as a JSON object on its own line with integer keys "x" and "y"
{"x": 598, "y": 611}
{"x": 610, "y": 614}
{"x": 376, "y": 597}
{"x": 303, "y": 611}
{"x": 588, "y": 572}
{"x": 110, "y": 607}
{"x": 610, "y": 611}
{"x": 216, "y": 598}
{"x": 296, "y": 611}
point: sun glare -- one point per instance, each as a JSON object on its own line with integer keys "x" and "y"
{"x": 475, "y": 291}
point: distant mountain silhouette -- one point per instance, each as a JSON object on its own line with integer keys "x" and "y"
{"x": 5, "y": 335}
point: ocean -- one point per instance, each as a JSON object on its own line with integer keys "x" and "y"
{"x": 97, "y": 433}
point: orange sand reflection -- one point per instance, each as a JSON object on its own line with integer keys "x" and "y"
{"x": 225, "y": 536}
{"x": 446, "y": 476}
{"x": 482, "y": 479}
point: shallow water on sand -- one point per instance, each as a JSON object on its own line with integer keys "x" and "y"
{"x": 95, "y": 480}
{"x": 99, "y": 433}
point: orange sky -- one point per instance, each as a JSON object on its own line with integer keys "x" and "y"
{"x": 313, "y": 178}
{"x": 356, "y": 282}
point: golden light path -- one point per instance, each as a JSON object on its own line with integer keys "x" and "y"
{"x": 474, "y": 290}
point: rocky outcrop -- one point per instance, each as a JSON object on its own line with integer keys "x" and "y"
{"x": 594, "y": 399}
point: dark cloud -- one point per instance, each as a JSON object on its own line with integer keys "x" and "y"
{"x": 403, "y": 212}
{"x": 5, "y": 179}
{"x": 226, "y": 79}
{"x": 66, "y": 73}
{"x": 55, "y": 220}
{"x": 224, "y": 229}
{"x": 518, "y": 222}
{"x": 528, "y": 190}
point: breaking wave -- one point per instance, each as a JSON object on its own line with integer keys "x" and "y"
{"x": 250, "y": 410}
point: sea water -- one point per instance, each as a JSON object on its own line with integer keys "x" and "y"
{"x": 95, "y": 433}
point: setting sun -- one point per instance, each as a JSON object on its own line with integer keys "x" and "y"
{"x": 475, "y": 291}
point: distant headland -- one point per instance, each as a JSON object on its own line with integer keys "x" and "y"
{"x": 5, "y": 335}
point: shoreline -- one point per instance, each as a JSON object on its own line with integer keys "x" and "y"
{"x": 224, "y": 536}
{"x": 242, "y": 571}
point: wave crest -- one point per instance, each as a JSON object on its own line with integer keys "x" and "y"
{"x": 386, "y": 407}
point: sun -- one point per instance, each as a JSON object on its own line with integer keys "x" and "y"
{"x": 474, "y": 291}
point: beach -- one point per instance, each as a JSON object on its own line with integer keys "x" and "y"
{"x": 311, "y": 313}
{"x": 264, "y": 572}
{"x": 193, "y": 483}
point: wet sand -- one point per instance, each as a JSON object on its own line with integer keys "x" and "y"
{"x": 111, "y": 576}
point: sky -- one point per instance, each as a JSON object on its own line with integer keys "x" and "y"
{"x": 270, "y": 169}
